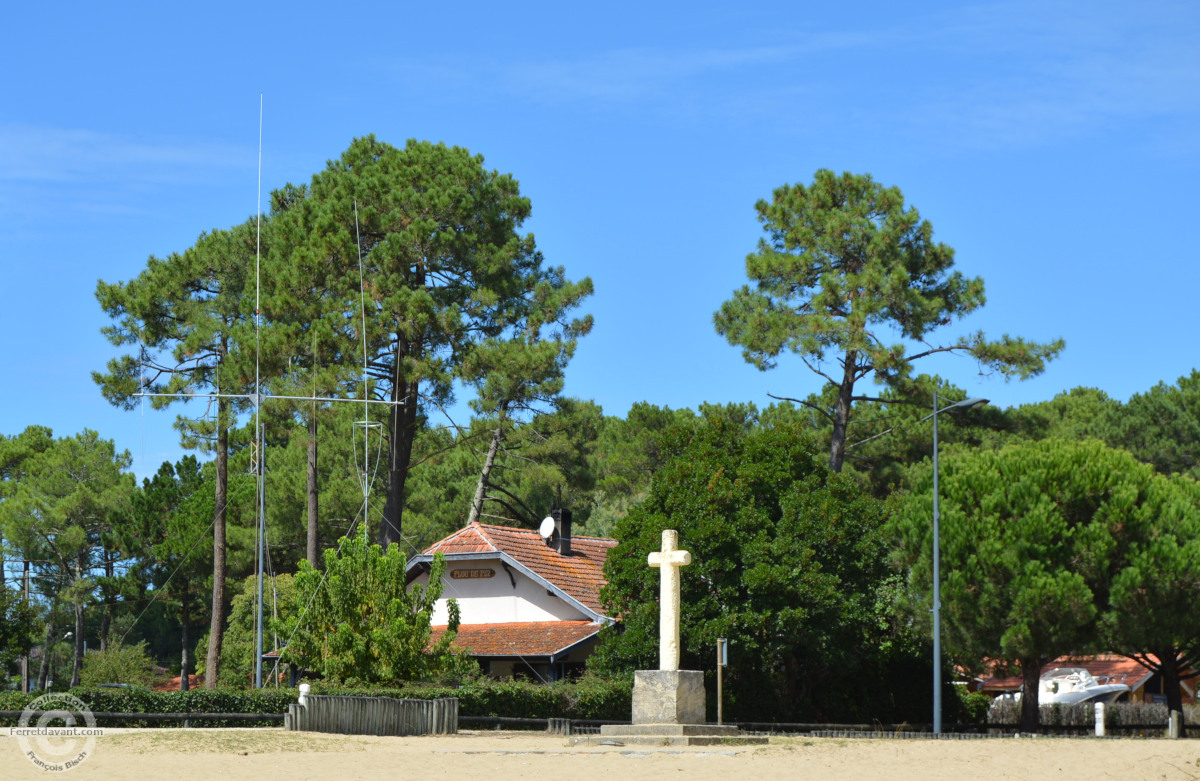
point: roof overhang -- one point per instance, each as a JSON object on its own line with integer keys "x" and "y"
{"x": 525, "y": 640}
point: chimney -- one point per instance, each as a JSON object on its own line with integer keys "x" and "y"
{"x": 562, "y": 530}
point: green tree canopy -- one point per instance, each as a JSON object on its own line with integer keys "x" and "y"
{"x": 240, "y": 646}
{"x": 844, "y": 270}
{"x": 1030, "y": 535}
{"x": 1162, "y": 426}
{"x": 120, "y": 663}
{"x": 357, "y": 623}
{"x": 19, "y": 628}
{"x": 164, "y": 534}
{"x": 788, "y": 562}
{"x": 443, "y": 262}
{"x": 190, "y": 318}
{"x": 61, "y": 512}
{"x": 1151, "y": 611}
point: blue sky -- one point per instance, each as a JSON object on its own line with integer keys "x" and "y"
{"x": 1053, "y": 145}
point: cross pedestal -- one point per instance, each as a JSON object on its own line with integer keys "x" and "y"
{"x": 668, "y": 697}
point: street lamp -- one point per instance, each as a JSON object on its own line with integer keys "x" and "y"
{"x": 937, "y": 579}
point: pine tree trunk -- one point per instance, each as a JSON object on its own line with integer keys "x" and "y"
{"x": 313, "y": 495}
{"x": 44, "y": 667}
{"x": 77, "y": 663}
{"x": 185, "y": 662}
{"x": 1168, "y": 665}
{"x": 403, "y": 420}
{"x": 106, "y": 617}
{"x": 841, "y": 414}
{"x": 1031, "y": 673}
{"x": 485, "y": 473}
{"x": 217, "y": 626}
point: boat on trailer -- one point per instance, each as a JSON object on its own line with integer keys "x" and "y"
{"x": 1071, "y": 685}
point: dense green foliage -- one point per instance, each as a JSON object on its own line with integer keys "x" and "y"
{"x": 788, "y": 563}
{"x": 19, "y": 629}
{"x": 1032, "y": 537}
{"x": 358, "y": 623}
{"x": 164, "y": 533}
{"x": 1154, "y": 588}
{"x": 1162, "y": 426}
{"x": 119, "y": 663}
{"x": 60, "y": 513}
{"x": 239, "y": 649}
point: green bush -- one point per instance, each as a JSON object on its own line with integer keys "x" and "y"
{"x": 972, "y": 705}
{"x": 119, "y": 664}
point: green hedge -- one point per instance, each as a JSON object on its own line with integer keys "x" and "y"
{"x": 146, "y": 701}
{"x": 588, "y": 698}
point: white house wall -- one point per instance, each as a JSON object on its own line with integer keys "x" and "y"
{"x": 494, "y": 600}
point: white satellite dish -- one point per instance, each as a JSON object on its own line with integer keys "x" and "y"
{"x": 546, "y": 529}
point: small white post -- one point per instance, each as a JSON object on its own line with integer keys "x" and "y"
{"x": 1173, "y": 725}
{"x": 1099, "y": 719}
{"x": 304, "y": 690}
{"x": 720, "y": 682}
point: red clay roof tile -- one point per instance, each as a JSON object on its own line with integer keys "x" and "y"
{"x": 526, "y": 638}
{"x": 580, "y": 574}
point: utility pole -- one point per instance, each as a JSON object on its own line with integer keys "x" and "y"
{"x": 25, "y": 657}
{"x": 262, "y": 533}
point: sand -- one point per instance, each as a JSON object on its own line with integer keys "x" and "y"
{"x": 267, "y": 754}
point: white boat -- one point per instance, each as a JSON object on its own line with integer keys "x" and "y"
{"x": 1070, "y": 685}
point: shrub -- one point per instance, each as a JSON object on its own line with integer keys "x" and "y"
{"x": 119, "y": 664}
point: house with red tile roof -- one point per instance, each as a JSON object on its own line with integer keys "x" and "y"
{"x": 1144, "y": 685}
{"x": 529, "y": 604}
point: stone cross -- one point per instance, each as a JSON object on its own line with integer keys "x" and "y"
{"x": 669, "y": 559}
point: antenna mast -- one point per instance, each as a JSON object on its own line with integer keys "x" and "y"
{"x": 367, "y": 424}
{"x": 258, "y": 427}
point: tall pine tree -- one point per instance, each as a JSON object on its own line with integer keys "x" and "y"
{"x": 845, "y": 269}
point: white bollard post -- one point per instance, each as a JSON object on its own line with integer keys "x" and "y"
{"x": 304, "y": 690}
{"x": 1173, "y": 725}
{"x": 1099, "y": 719}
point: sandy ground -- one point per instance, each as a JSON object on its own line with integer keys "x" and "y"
{"x": 266, "y": 754}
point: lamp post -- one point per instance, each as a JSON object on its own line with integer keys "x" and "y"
{"x": 937, "y": 574}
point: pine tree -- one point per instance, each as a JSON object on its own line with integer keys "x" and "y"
{"x": 843, "y": 270}
{"x": 70, "y": 491}
{"x": 190, "y": 317}
{"x": 444, "y": 268}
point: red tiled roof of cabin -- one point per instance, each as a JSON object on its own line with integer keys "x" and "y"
{"x": 172, "y": 684}
{"x": 580, "y": 574}
{"x": 526, "y": 638}
{"x": 1111, "y": 668}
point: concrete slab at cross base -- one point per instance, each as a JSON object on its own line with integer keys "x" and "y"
{"x": 668, "y": 735}
{"x": 668, "y": 697}
{"x": 682, "y": 730}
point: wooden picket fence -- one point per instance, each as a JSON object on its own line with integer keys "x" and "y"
{"x": 349, "y": 715}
